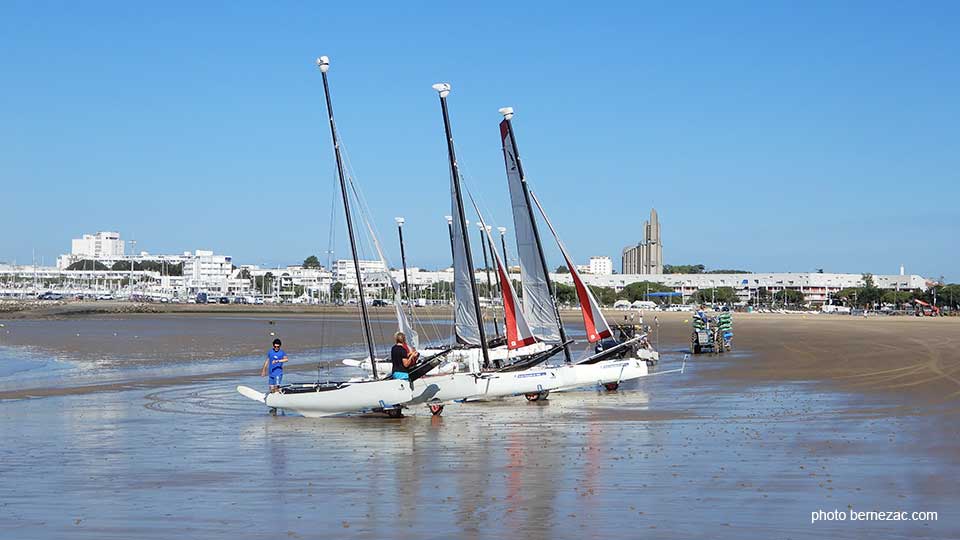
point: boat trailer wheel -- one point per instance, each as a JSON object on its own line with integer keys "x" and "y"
{"x": 611, "y": 386}
{"x": 537, "y": 396}
{"x": 436, "y": 409}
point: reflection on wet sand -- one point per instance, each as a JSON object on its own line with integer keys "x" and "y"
{"x": 742, "y": 446}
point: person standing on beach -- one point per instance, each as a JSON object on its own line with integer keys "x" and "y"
{"x": 274, "y": 362}
{"x": 402, "y": 356}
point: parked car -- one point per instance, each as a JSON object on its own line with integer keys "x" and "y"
{"x": 224, "y": 300}
{"x": 105, "y": 297}
{"x": 379, "y": 303}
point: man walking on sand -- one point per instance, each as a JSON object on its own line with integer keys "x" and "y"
{"x": 274, "y": 362}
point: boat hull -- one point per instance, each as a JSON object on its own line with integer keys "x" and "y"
{"x": 605, "y": 372}
{"x": 351, "y": 397}
{"x": 516, "y": 383}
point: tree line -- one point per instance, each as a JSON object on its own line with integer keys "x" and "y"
{"x": 164, "y": 269}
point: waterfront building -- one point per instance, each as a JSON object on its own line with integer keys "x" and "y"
{"x": 94, "y": 246}
{"x": 601, "y": 266}
{"x": 816, "y": 287}
{"x": 206, "y": 272}
{"x": 645, "y": 257}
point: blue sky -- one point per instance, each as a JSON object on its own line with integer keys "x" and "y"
{"x": 770, "y": 136}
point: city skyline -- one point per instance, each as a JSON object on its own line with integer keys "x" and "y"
{"x": 73, "y": 256}
{"x": 770, "y": 138}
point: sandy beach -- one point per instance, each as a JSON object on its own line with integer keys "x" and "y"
{"x": 120, "y": 425}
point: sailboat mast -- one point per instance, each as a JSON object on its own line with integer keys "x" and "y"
{"x": 486, "y": 268}
{"x": 507, "y": 113}
{"x": 403, "y": 258}
{"x": 444, "y": 90}
{"x": 324, "y": 64}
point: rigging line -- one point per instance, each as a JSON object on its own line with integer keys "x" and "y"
{"x": 364, "y": 210}
{"x": 492, "y": 265}
{"x": 331, "y": 247}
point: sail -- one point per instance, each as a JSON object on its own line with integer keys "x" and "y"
{"x": 403, "y": 323}
{"x": 465, "y": 317}
{"x": 593, "y": 320}
{"x": 538, "y": 306}
{"x": 517, "y": 330}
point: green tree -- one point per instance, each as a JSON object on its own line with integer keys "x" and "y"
{"x": 869, "y": 295}
{"x": 311, "y": 262}
{"x": 726, "y": 271}
{"x": 336, "y": 290}
{"x": 638, "y": 290}
{"x": 264, "y": 283}
{"x": 562, "y": 269}
{"x": 683, "y": 268}
{"x": 89, "y": 265}
{"x": 789, "y": 296}
{"x": 897, "y": 298}
{"x": 720, "y": 295}
{"x": 605, "y": 295}
{"x": 566, "y": 294}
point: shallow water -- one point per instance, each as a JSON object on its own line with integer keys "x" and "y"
{"x": 671, "y": 456}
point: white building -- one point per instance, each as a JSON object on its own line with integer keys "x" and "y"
{"x": 816, "y": 287}
{"x": 104, "y": 245}
{"x": 601, "y": 266}
{"x": 95, "y": 246}
{"x": 207, "y": 272}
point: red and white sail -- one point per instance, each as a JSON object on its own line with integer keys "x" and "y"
{"x": 596, "y": 326}
{"x": 538, "y": 306}
{"x": 516, "y": 328}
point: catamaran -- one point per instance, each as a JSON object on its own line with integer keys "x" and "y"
{"x": 319, "y": 399}
{"x": 622, "y": 360}
{"x": 480, "y": 375}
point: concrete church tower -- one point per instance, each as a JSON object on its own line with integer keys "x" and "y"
{"x": 647, "y": 256}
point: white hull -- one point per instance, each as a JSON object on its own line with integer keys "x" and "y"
{"x": 468, "y": 386}
{"x": 350, "y": 398}
{"x": 516, "y": 383}
{"x": 606, "y": 372}
{"x": 444, "y": 388}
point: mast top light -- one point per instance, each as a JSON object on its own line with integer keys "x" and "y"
{"x": 323, "y": 62}
{"x": 449, "y": 219}
{"x": 502, "y": 230}
{"x": 399, "y": 220}
{"x": 507, "y": 112}
{"x": 443, "y": 88}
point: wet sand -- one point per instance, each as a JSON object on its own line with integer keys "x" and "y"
{"x": 808, "y": 413}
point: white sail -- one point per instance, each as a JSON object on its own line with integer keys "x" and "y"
{"x": 538, "y": 306}
{"x": 593, "y": 320}
{"x": 465, "y": 317}
{"x": 517, "y": 330}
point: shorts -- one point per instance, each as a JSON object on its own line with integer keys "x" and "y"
{"x": 274, "y": 380}
{"x": 401, "y": 375}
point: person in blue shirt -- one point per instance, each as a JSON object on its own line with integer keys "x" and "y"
{"x": 274, "y": 362}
